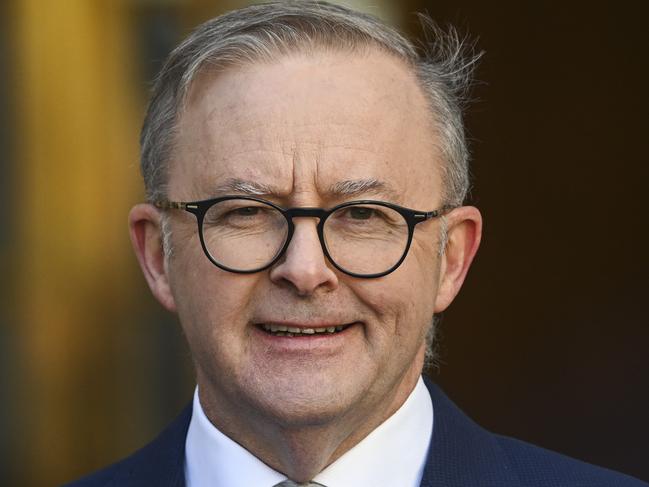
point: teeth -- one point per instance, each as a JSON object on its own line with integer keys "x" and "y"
{"x": 276, "y": 328}
{"x": 281, "y": 330}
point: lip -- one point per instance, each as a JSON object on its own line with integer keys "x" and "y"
{"x": 315, "y": 343}
{"x": 298, "y": 326}
{"x": 304, "y": 324}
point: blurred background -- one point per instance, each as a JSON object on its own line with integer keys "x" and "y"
{"x": 547, "y": 342}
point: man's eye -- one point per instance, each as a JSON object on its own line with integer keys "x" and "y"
{"x": 242, "y": 215}
{"x": 246, "y": 211}
{"x": 360, "y": 213}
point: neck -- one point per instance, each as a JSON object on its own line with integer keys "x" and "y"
{"x": 300, "y": 450}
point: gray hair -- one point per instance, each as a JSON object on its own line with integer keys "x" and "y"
{"x": 443, "y": 66}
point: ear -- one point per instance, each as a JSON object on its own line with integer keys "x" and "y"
{"x": 144, "y": 222}
{"x": 464, "y": 230}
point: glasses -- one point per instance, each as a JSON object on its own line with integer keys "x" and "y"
{"x": 244, "y": 234}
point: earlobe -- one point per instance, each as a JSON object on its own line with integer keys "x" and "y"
{"x": 144, "y": 223}
{"x": 464, "y": 227}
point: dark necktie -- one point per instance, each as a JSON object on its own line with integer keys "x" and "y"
{"x": 290, "y": 483}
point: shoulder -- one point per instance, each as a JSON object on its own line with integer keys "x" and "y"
{"x": 536, "y": 466}
{"x": 109, "y": 475}
{"x": 463, "y": 453}
{"x": 160, "y": 463}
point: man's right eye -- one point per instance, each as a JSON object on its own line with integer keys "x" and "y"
{"x": 232, "y": 215}
{"x": 245, "y": 216}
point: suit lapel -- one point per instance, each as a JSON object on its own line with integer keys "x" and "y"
{"x": 462, "y": 453}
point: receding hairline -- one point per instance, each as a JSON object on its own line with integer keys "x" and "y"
{"x": 206, "y": 74}
{"x": 310, "y": 49}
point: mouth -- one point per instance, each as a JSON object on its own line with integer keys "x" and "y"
{"x": 294, "y": 331}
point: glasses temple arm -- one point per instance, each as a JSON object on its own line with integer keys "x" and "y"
{"x": 170, "y": 205}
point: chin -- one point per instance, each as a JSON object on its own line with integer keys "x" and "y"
{"x": 302, "y": 402}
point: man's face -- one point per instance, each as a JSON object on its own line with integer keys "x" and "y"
{"x": 301, "y": 126}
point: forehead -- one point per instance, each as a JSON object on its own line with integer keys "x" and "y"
{"x": 305, "y": 123}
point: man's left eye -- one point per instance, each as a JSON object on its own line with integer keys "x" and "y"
{"x": 360, "y": 213}
{"x": 246, "y": 211}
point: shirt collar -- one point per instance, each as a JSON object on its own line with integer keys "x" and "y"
{"x": 393, "y": 454}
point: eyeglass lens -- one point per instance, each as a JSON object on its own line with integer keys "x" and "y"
{"x": 246, "y": 235}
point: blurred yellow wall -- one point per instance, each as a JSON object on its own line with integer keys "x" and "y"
{"x": 77, "y": 115}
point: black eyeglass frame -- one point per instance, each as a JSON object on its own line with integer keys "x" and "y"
{"x": 200, "y": 208}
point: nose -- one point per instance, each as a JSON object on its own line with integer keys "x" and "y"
{"x": 304, "y": 265}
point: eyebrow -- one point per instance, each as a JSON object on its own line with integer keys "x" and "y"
{"x": 348, "y": 188}
{"x": 358, "y": 187}
{"x": 251, "y": 188}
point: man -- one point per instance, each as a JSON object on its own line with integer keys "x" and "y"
{"x": 305, "y": 171}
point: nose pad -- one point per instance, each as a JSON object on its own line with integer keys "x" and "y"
{"x": 304, "y": 264}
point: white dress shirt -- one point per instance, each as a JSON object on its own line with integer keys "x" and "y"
{"x": 393, "y": 455}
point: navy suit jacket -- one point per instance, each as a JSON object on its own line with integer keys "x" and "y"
{"x": 462, "y": 454}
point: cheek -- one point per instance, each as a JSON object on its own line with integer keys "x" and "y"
{"x": 418, "y": 295}
{"x": 403, "y": 303}
{"x": 213, "y": 305}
